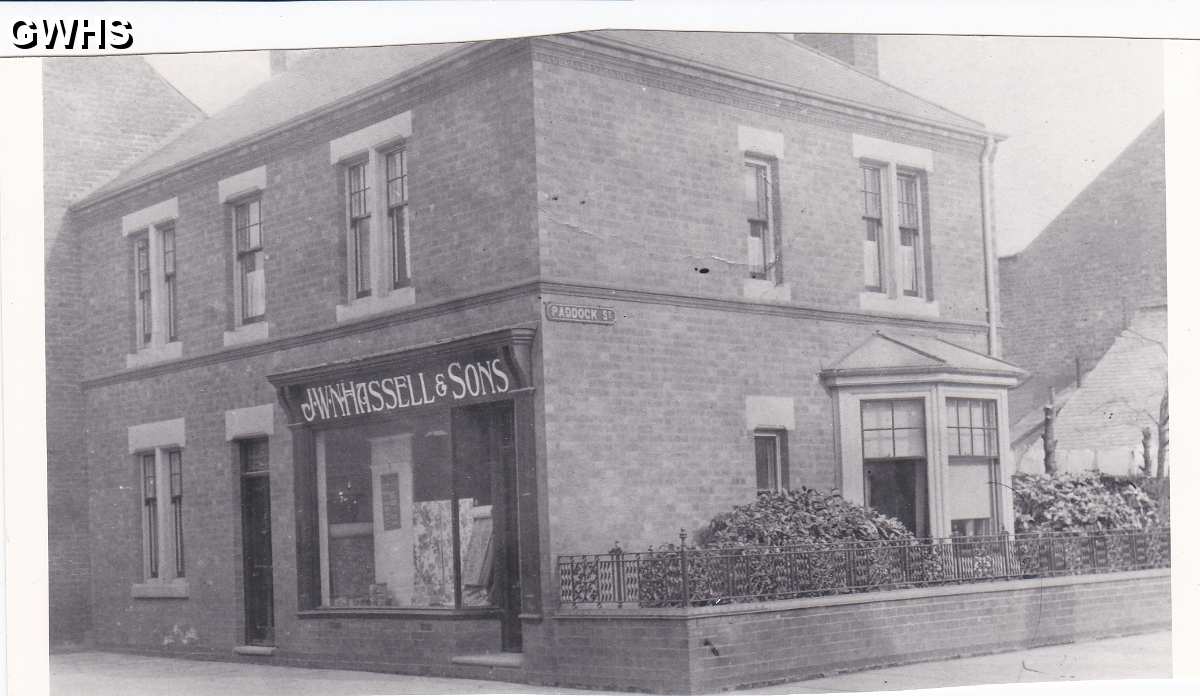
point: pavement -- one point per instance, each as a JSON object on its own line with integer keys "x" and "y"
{"x": 104, "y": 674}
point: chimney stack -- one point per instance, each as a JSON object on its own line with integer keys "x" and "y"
{"x": 859, "y": 50}
{"x": 279, "y": 61}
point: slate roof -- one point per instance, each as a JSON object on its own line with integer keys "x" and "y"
{"x": 1119, "y": 395}
{"x": 325, "y": 77}
{"x": 789, "y": 62}
{"x": 895, "y": 353}
{"x": 319, "y": 79}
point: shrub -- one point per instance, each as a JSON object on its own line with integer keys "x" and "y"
{"x": 799, "y": 517}
{"x": 1068, "y": 502}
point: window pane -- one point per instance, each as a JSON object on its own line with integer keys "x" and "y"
{"x": 397, "y": 219}
{"x": 150, "y": 513}
{"x": 766, "y": 462}
{"x": 908, "y": 266}
{"x": 389, "y": 513}
{"x": 970, "y": 490}
{"x": 909, "y": 413}
{"x": 397, "y": 173}
{"x": 871, "y": 261}
{"x": 910, "y": 442}
{"x": 877, "y": 444}
{"x": 253, "y": 290}
{"x": 168, "y": 239}
{"x": 358, "y": 191}
{"x": 175, "y": 466}
{"x": 756, "y": 250}
{"x": 362, "y": 257}
{"x": 877, "y": 414}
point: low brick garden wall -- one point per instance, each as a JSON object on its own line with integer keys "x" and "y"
{"x": 713, "y": 648}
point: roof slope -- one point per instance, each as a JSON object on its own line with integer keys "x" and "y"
{"x": 1119, "y": 396}
{"x": 789, "y": 62}
{"x": 905, "y": 353}
{"x": 324, "y": 77}
{"x": 102, "y": 113}
{"x": 319, "y": 79}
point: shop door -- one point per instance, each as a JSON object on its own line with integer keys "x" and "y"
{"x": 485, "y": 466}
{"x": 257, "y": 572}
{"x": 897, "y": 489}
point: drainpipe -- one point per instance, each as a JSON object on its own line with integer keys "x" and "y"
{"x": 986, "y": 160}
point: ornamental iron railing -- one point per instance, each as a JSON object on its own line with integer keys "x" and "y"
{"x": 678, "y": 576}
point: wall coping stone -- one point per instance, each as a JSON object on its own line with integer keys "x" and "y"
{"x": 680, "y": 613}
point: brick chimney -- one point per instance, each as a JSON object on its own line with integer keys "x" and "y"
{"x": 279, "y": 61}
{"x": 859, "y": 50}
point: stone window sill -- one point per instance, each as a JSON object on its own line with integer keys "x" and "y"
{"x": 247, "y": 333}
{"x": 879, "y": 303}
{"x": 769, "y": 290}
{"x": 367, "y": 306}
{"x": 160, "y": 589}
{"x": 154, "y": 354}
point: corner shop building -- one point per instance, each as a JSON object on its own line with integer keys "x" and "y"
{"x": 370, "y": 348}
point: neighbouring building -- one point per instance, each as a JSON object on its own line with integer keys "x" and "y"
{"x": 1071, "y": 292}
{"x": 1100, "y": 425}
{"x": 358, "y": 357}
{"x": 100, "y": 115}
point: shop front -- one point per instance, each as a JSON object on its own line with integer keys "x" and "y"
{"x": 415, "y": 483}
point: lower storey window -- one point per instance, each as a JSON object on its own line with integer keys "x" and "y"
{"x": 406, "y": 511}
{"x": 161, "y": 473}
{"x": 770, "y": 460}
{"x": 894, "y": 471}
{"x": 972, "y": 442}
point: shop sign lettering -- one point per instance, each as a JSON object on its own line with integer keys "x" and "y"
{"x": 458, "y": 380}
{"x": 581, "y": 314}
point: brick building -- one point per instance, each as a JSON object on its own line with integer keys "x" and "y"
{"x": 360, "y": 355}
{"x": 1070, "y": 293}
{"x": 100, "y": 115}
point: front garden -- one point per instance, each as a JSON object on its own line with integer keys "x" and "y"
{"x": 805, "y": 543}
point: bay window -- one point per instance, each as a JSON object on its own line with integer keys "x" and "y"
{"x": 920, "y": 426}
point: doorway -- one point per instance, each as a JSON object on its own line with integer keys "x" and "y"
{"x": 485, "y": 474}
{"x": 257, "y": 570}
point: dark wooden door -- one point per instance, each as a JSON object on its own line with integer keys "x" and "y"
{"x": 256, "y": 556}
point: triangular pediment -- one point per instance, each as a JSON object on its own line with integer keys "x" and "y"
{"x": 899, "y": 354}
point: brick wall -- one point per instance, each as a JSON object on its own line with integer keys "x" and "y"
{"x": 1079, "y": 283}
{"x": 745, "y": 645}
{"x": 470, "y": 177}
{"x": 642, "y": 187}
{"x": 100, "y": 114}
{"x": 649, "y": 415}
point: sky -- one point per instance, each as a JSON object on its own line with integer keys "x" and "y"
{"x": 1068, "y": 106}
